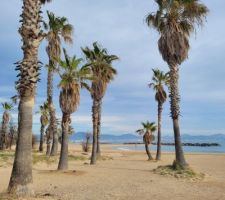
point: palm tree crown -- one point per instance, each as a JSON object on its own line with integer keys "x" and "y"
{"x": 102, "y": 69}
{"x": 159, "y": 79}
{"x": 73, "y": 78}
{"x": 175, "y": 20}
{"x": 44, "y": 111}
{"x": 57, "y": 28}
{"x": 7, "y": 106}
{"x": 147, "y": 129}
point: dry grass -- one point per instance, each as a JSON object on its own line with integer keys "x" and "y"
{"x": 179, "y": 173}
{"x": 6, "y": 158}
{"x": 104, "y": 158}
{"x": 40, "y": 158}
{"x": 72, "y": 157}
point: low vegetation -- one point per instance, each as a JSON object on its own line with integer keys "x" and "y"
{"x": 104, "y": 158}
{"x": 72, "y": 157}
{"x": 177, "y": 171}
{"x": 37, "y": 158}
{"x": 6, "y": 158}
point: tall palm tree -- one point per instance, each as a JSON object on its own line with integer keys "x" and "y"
{"x": 21, "y": 177}
{"x": 58, "y": 28}
{"x": 73, "y": 78}
{"x": 100, "y": 63}
{"x": 175, "y": 20}
{"x": 147, "y": 131}
{"x": 44, "y": 119}
{"x": 159, "y": 79}
{"x": 5, "y": 124}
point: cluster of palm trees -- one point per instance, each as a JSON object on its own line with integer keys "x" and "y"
{"x": 159, "y": 81}
{"x": 175, "y": 20}
{"x": 94, "y": 75}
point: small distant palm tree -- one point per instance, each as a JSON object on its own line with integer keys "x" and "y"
{"x": 21, "y": 178}
{"x": 100, "y": 63}
{"x": 175, "y": 20}
{"x": 5, "y": 124}
{"x": 159, "y": 80}
{"x": 73, "y": 77}
{"x": 58, "y": 28}
{"x": 147, "y": 131}
{"x": 12, "y": 134}
{"x": 44, "y": 119}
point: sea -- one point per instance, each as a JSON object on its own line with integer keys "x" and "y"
{"x": 186, "y": 138}
{"x": 168, "y": 148}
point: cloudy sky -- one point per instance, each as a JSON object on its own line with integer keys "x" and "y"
{"x": 120, "y": 28}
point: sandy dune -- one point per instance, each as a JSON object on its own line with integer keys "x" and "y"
{"x": 127, "y": 176}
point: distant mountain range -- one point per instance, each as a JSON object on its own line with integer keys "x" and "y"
{"x": 109, "y": 138}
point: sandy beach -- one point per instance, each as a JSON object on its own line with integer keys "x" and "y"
{"x": 122, "y": 176}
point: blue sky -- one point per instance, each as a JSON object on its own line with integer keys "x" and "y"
{"x": 120, "y": 28}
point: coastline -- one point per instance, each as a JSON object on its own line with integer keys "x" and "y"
{"x": 111, "y": 148}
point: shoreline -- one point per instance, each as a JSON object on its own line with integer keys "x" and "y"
{"x": 110, "y": 148}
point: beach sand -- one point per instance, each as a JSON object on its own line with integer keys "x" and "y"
{"x": 125, "y": 176}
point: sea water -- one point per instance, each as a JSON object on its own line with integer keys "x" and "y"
{"x": 219, "y": 149}
{"x": 165, "y": 148}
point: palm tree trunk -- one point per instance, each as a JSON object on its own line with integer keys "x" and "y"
{"x": 52, "y": 124}
{"x": 21, "y": 177}
{"x": 95, "y": 124}
{"x": 63, "y": 160}
{"x": 41, "y": 138}
{"x": 175, "y": 112}
{"x": 10, "y": 141}
{"x": 158, "y": 154}
{"x": 99, "y": 128}
{"x": 148, "y": 152}
{"x": 55, "y": 141}
{"x": 3, "y": 136}
{"x": 1, "y": 139}
{"x": 48, "y": 140}
{"x": 48, "y": 148}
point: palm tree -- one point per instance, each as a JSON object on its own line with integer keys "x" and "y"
{"x": 21, "y": 177}
{"x": 175, "y": 20}
{"x": 5, "y": 124}
{"x": 58, "y": 28}
{"x": 73, "y": 78}
{"x": 159, "y": 79}
{"x": 101, "y": 66}
{"x": 44, "y": 119}
{"x": 147, "y": 131}
{"x": 48, "y": 137}
{"x": 12, "y": 134}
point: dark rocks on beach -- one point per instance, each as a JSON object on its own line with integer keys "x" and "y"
{"x": 184, "y": 144}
